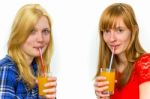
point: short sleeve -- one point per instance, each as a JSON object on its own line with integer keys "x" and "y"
{"x": 143, "y": 68}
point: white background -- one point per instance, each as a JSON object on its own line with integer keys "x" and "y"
{"x": 75, "y": 31}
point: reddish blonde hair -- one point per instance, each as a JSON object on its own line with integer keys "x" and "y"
{"x": 134, "y": 49}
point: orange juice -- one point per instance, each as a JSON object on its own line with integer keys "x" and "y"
{"x": 41, "y": 81}
{"x": 110, "y": 76}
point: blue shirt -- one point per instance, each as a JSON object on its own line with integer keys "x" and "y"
{"x": 11, "y": 87}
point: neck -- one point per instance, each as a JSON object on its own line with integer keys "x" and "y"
{"x": 28, "y": 59}
{"x": 122, "y": 62}
{"x": 122, "y": 59}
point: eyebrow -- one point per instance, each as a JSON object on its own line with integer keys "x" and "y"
{"x": 122, "y": 27}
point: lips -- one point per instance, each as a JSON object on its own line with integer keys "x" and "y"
{"x": 114, "y": 46}
{"x": 37, "y": 48}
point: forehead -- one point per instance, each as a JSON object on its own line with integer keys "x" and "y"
{"x": 112, "y": 23}
{"x": 118, "y": 22}
{"x": 42, "y": 23}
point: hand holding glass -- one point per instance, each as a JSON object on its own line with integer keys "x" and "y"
{"x": 42, "y": 80}
{"x": 110, "y": 77}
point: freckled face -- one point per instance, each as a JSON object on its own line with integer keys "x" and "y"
{"x": 118, "y": 37}
{"x": 38, "y": 38}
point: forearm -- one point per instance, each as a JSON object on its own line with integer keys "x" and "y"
{"x": 145, "y": 90}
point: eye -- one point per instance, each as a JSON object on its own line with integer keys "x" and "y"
{"x": 107, "y": 31}
{"x": 120, "y": 30}
{"x": 33, "y": 32}
{"x": 45, "y": 31}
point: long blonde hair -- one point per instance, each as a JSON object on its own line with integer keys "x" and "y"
{"x": 23, "y": 24}
{"x": 134, "y": 49}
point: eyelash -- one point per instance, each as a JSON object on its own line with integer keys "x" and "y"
{"x": 43, "y": 31}
{"x": 33, "y": 31}
{"x": 117, "y": 30}
{"x": 106, "y": 31}
{"x": 120, "y": 30}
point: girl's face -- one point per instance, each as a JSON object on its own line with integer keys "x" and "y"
{"x": 118, "y": 37}
{"x": 38, "y": 38}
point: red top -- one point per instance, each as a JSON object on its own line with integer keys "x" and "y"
{"x": 140, "y": 74}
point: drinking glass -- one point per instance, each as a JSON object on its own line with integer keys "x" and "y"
{"x": 110, "y": 77}
{"x": 42, "y": 79}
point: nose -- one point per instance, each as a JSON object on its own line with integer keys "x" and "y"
{"x": 112, "y": 36}
{"x": 40, "y": 37}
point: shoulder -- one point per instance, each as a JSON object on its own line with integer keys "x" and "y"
{"x": 142, "y": 67}
{"x": 8, "y": 73}
{"x": 6, "y": 60}
{"x": 8, "y": 66}
{"x": 8, "y": 78}
{"x": 143, "y": 59}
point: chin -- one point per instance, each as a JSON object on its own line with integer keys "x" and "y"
{"x": 116, "y": 53}
{"x": 36, "y": 54}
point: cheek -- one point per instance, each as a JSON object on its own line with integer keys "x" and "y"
{"x": 28, "y": 43}
{"x": 127, "y": 37}
{"x": 105, "y": 39}
{"x": 126, "y": 42}
{"x": 30, "y": 40}
{"x": 24, "y": 47}
{"x": 47, "y": 40}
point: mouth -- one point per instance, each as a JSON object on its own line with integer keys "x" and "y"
{"x": 37, "y": 48}
{"x": 114, "y": 47}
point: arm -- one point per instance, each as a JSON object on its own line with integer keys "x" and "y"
{"x": 7, "y": 78}
{"x": 143, "y": 69}
{"x": 145, "y": 90}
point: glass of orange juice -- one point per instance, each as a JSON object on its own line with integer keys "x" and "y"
{"x": 110, "y": 77}
{"x": 42, "y": 79}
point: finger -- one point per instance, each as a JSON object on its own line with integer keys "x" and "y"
{"x": 50, "y": 84}
{"x": 101, "y": 96}
{"x": 100, "y": 78}
{"x": 101, "y": 89}
{"x": 52, "y": 78}
{"x": 116, "y": 81}
{"x": 50, "y": 90}
{"x": 101, "y": 84}
{"x": 36, "y": 81}
{"x": 50, "y": 96}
